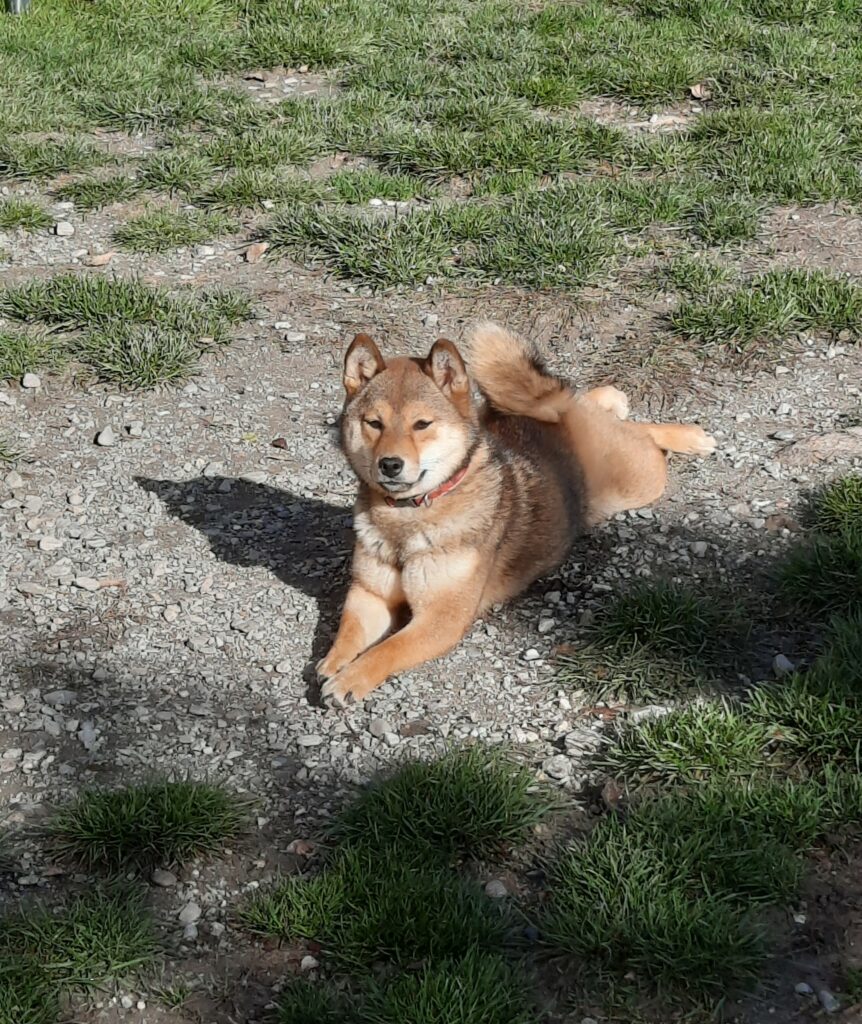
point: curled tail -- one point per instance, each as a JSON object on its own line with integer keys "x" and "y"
{"x": 512, "y": 376}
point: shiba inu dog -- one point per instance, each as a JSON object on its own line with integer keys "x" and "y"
{"x": 465, "y": 498}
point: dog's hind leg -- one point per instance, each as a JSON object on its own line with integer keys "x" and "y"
{"x": 610, "y": 399}
{"x": 684, "y": 438}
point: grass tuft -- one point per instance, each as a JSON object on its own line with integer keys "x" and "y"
{"x": 21, "y": 159}
{"x": 160, "y": 230}
{"x": 160, "y": 824}
{"x": 469, "y": 803}
{"x": 837, "y": 509}
{"x": 175, "y": 172}
{"x": 824, "y": 575}
{"x": 26, "y": 352}
{"x": 23, "y": 214}
{"x": 769, "y": 307}
{"x": 722, "y": 219}
{"x": 252, "y": 188}
{"x": 93, "y": 193}
{"x": 363, "y": 185}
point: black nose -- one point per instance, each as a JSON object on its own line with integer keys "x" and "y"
{"x": 391, "y": 466}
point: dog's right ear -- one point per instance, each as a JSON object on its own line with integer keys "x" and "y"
{"x": 361, "y": 364}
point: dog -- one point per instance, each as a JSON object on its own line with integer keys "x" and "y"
{"x": 467, "y": 496}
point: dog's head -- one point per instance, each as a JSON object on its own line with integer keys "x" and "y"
{"x": 409, "y": 424}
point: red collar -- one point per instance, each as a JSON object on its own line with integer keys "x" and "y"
{"x": 426, "y": 499}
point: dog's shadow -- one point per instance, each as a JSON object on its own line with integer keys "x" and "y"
{"x": 305, "y": 542}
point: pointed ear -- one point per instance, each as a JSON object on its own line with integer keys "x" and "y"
{"x": 362, "y": 362}
{"x": 446, "y": 368}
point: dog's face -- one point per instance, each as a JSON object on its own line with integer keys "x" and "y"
{"x": 409, "y": 424}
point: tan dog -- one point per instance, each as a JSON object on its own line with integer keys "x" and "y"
{"x": 463, "y": 503}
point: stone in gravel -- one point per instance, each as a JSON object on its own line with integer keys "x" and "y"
{"x": 60, "y": 698}
{"x": 283, "y": 668}
{"x": 106, "y": 438}
{"x": 301, "y": 847}
{"x": 557, "y": 767}
{"x": 255, "y": 251}
{"x": 127, "y": 1002}
{"x": 546, "y": 625}
{"x": 282, "y": 325}
{"x": 212, "y": 469}
{"x": 50, "y": 544}
{"x": 163, "y": 877}
{"x": 14, "y": 480}
{"x": 531, "y": 654}
{"x": 496, "y": 889}
{"x": 391, "y": 739}
{"x": 309, "y": 740}
{"x": 256, "y": 476}
{"x": 217, "y": 929}
{"x": 32, "y": 589}
{"x": 87, "y": 735}
{"x": 829, "y": 1003}
{"x": 378, "y": 727}
{"x": 190, "y": 932}
{"x": 782, "y": 666}
{"x": 136, "y": 428}
{"x": 31, "y": 380}
{"x": 190, "y": 913}
{"x": 699, "y": 548}
{"x": 295, "y": 336}
{"x": 171, "y": 613}
{"x": 14, "y": 704}
{"x": 430, "y": 319}
{"x": 86, "y": 583}
{"x": 64, "y": 229}
{"x": 802, "y": 988}
{"x": 308, "y": 963}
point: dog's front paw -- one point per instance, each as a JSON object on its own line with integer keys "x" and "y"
{"x": 698, "y": 442}
{"x": 346, "y": 684}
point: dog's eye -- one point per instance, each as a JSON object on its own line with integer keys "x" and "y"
{"x": 374, "y": 424}
{"x": 422, "y": 424}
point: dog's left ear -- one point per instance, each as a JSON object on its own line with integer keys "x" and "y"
{"x": 446, "y": 368}
{"x": 362, "y": 363}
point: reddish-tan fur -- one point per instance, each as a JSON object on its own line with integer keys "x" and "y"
{"x": 543, "y": 463}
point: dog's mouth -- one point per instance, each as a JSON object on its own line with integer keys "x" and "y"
{"x": 399, "y": 486}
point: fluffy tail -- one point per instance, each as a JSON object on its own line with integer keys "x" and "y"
{"x": 511, "y": 374}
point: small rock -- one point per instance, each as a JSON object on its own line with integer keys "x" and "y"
{"x": 782, "y": 666}
{"x": 256, "y": 476}
{"x": 106, "y": 438}
{"x": 496, "y": 889}
{"x": 205, "y": 250}
{"x": 391, "y": 739}
{"x": 308, "y": 963}
{"x": 557, "y": 767}
{"x": 64, "y": 229}
{"x": 309, "y": 740}
{"x": 50, "y": 544}
{"x": 283, "y": 668}
{"x": 190, "y": 913}
{"x": 378, "y": 727}
{"x": 282, "y": 325}
{"x": 31, "y": 380}
{"x": 699, "y": 548}
{"x": 136, "y": 428}
{"x": 14, "y": 704}
{"x": 430, "y": 319}
{"x": 546, "y": 625}
{"x": 295, "y": 336}
{"x": 190, "y": 932}
{"x": 171, "y": 613}
{"x": 802, "y": 988}
{"x": 279, "y": 442}
{"x": 217, "y": 929}
{"x": 86, "y": 583}
{"x": 300, "y": 847}
{"x": 161, "y": 876}
{"x": 531, "y": 654}
{"x": 60, "y": 698}
{"x": 254, "y": 253}
{"x": 127, "y": 1002}
{"x": 829, "y": 1003}
{"x": 32, "y": 589}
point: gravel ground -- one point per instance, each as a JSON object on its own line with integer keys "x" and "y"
{"x": 162, "y": 595}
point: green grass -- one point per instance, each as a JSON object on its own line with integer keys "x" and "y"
{"x": 175, "y": 172}
{"x": 160, "y": 230}
{"x": 379, "y": 903}
{"x": 23, "y": 214}
{"x": 469, "y": 803}
{"x": 104, "y": 935}
{"x": 121, "y": 329}
{"x": 824, "y": 575}
{"x": 837, "y": 509}
{"x": 722, "y": 219}
{"x": 92, "y": 193}
{"x": 26, "y": 351}
{"x": 27, "y": 995}
{"x": 9, "y": 451}
{"x": 653, "y": 642}
{"x": 23, "y": 160}
{"x": 690, "y": 273}
{"x": 363, "y": 185}
{"x": 252, "y": 187}
{"x": 159, "y": 824}
{"x": 770, "y": 306}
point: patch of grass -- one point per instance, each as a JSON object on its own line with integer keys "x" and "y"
{"x": 824, "y": 575}
{"x": 174, "y": 171}
{"x": 160, "y": 230}
{"x": 252, "y": 188}
{"x": 26, "y": 352}
{"x": 27, "y": 995}
{"x": 473, "y": 989}
{"x": 770, "y": 306}
{"x": 311, "y": 1002}
{"x": 469, "y": 803}
{"x": 93, "y": 193}
{"x": 9, "y": 452}
{"x": 837, "y": 509}
{"x": 721, "y": 219}
{"x": 689, "y": 746}
{"x": 160, "y": 824}
{"x": 690, "y": 273}
{"x": 379, "y": 903}
{"x": 22, "y": 159}
{"x": 137, "y": 356}
{"x": 360, "y": 186}
{"x": 269, "y": 147}
{"x": 24, "y": 214}
{"x": 102, "y": 935}
{"x": 665, "y": 893}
